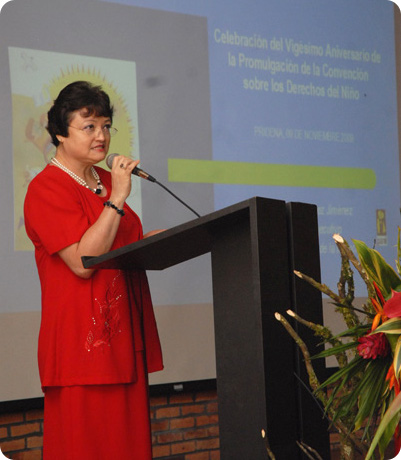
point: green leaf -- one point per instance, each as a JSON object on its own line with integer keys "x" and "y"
{"x": 377, "y": 268}
{"x": 388, "y": 434}
{"x": 358, "y": 330}
{"x": 392, "y": 339}
{"x": 393, "y": 410}
{"x": 365, "y": 399}
{"x": 335, "y": 350}
{"x": 391, "y": 326}
{"x": 397, "y": 357}
{"x": 371, "y": 389}
{"x": 356, "y": 365}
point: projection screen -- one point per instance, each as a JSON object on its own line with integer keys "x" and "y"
{"x": 221, "y": 101}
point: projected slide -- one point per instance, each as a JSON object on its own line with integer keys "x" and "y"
{"x": 315, "y": 117}
{"x": 303, "y": 98}
{"x": 302, "y": 108}
{"x": 47, "y": 74}
{"x": 222, "y": 100}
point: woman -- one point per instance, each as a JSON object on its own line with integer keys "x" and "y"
{"x": 98, "y": 337}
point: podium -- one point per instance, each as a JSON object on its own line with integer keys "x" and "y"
{"x": 254, "y": 246}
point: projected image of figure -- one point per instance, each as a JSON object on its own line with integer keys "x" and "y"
{"x": 48, "y": 73}
{"x": 98, "y": 338}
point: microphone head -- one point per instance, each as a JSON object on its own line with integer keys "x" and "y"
{"x": 110, "y": 158}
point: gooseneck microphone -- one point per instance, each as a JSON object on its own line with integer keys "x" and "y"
{"x": 144, "y": 175}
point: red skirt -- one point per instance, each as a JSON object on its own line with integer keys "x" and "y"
{"x": 99, "y": 422}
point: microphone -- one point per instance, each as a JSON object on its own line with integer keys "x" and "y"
{"x": 141, "y": 173}
{"x": 137, "y": 171}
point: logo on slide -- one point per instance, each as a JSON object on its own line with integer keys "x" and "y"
{"x": 381, "y": 227}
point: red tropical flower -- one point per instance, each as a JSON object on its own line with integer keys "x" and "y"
{"x": 392, "y": 381}
{"x": 378, "y": 306}
{"x": 392, "y": 307}
{"x": 373, "y": 346}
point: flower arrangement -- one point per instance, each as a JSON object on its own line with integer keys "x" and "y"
{"x": 364, "y": 401}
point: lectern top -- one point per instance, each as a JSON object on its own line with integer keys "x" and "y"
{"x": 178, "y": 244}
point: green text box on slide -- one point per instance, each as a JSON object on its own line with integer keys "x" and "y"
{"x": 232, "y": 172}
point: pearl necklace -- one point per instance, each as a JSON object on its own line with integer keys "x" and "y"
{"x": 80, "y": 181}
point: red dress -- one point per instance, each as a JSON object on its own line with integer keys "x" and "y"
{"x": 98, "y": 336}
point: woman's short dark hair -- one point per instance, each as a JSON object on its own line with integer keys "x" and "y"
{"x": 80, "y": 95}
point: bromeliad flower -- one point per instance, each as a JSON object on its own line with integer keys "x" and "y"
{"x": 373, "y": 346}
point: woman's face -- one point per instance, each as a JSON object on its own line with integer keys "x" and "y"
{"x": 88, "y": 138}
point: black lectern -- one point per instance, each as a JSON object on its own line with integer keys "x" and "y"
{"x": 254, "y": 247}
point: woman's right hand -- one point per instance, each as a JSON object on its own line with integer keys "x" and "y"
{"x": 121, "y": 174}
{"x": 99, "y": 238}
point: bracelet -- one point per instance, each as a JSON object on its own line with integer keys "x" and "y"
{"x": 109, "y": 204}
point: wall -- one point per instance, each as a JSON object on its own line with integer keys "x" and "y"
{"x": 184, "y": 427}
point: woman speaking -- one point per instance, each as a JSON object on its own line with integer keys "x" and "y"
{"x": 98, "y": 338}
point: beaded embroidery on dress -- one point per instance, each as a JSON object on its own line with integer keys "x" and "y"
{"x": 106, "y": 320}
